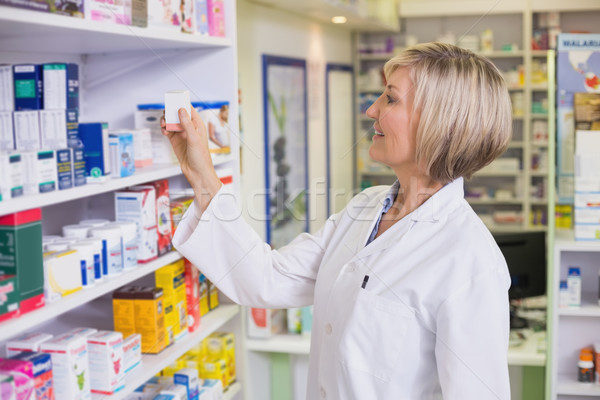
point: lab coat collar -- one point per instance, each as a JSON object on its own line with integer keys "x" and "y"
{"x": 441, "y": 203}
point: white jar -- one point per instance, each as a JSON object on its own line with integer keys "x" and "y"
{"x": 130, "y": 243}
{"x": 96, "y": 223}
{"x": 97, "y": 245}
{"x": 47, "y": 239}
{"x": 59, "y": 245}
{"x": 111, "y": 248}
{"x": 86, "y": 256}
{"x": 75, "y": 231}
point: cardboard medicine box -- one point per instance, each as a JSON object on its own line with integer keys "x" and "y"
{"x": 22, "y": 372}
{"x": 142, "y": 145}
{"x": 221, "y": 345}
{"x": 62, "y": 271}
{"x": 74, "y": 142}
{"x": 41, "y": 173}
{"x": 7, "y": 387}
{"x": 106, "y": 362}
{"x": 21, "y": 249}
{"x": 7, "y": 133}
{"x": 163, "y": 216}
{"x": 6, "y": 87}
{"x": 171, "y": 278}
{"x": 28, "y": 84}
{"x": 70, "y": 366}
{"x": 64, "y": 168}
{"x": 11, "y": 175}
{"x": 9, "y": 298}
{"x": 150, "y": 319}
{"x": 138, "y": 204}
{"x": 124, "y": 310}
{"x": 43, "y": 381}
{"x": 27, "y": 343}
{"x": 53, "y": 129}
{"x": 94, "y": 137}
{"x": 132, "y": 353}
{"x": 61, "y": 86}
{"x": 122, "y": 155}
{"x": 26, "y": 125}
{"x": 192, "y": 295}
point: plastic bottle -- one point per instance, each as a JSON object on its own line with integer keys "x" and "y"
{"x": 574, "y": 284}
{"x": 563, "y": 294}
{"x": 585, "y": 372}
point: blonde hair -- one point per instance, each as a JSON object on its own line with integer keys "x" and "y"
{"x": 465, "y": 111}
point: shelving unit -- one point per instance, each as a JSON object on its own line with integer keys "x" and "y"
{"x": 120, "y": 67}
{"x": 291, "y": 344}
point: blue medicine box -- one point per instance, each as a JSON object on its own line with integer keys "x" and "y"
{"x": 27, "y": 80}
{"x": 122, "y": 154}
{"x": 64, "y": 166}
{"x": 76, "y": 144}
{"x": 61, "y": 85}
{"x": 94, "y": 137}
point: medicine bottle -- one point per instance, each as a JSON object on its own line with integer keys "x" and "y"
{"x": 586, "y": 367}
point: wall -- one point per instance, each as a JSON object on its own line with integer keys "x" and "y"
{"x": 263, "y": 30}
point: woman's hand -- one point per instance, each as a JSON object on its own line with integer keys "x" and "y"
{"x": 191, "y": 148}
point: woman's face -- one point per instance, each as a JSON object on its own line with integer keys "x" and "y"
{"x": 394, "y": 142}
{"x": 225, "y": 114}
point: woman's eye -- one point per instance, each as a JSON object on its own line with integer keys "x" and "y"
{"x": 389, "y": 99}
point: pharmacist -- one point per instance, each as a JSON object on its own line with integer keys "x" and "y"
{"x": 410, "y": 291}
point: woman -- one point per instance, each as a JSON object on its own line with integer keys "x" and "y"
{"x": 217, "y": 127}
{"x": 410, "y": 290}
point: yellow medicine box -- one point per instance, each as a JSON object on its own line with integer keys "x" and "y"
{"x": 221, "y": 345}
{"x": 215, "y": 369}
{"x": 171, "y": 278}
{"x": 124, "y": 310}
{"x": 203, "y": 296}
{"x": 150, "y": 319}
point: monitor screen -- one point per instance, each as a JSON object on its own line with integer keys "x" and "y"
{"x": 525, "y": 254}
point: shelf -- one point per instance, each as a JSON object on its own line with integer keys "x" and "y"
{"x": 153, "y": 364}
{"x": 293, "y": 344}
{"x": 476, "y": 201}
{"x": 539, "y": 202}
{"x": 587, "y": 309}
{"x": 52, "y": 33}
{"x": 539, "y": 53}
{"x": 375, "y": 56}
{"x": 232, "y": 391}
{"x": 565, "y": 241}
{"x": 567, "y": 385}
{"x": 528, "y": 354}
{"x": 498, "y": 173}
{"x": 516, "y": 144}
{"x": 502, "y": 54}
{"x": 378, "y": 173}
{"x": 539, "y": 116}
{"x": 516, "y": 89}
{"x": 539, "y": 145}
{"x": 374, "y": 89}
{"x": 540, "y": 88}
{"x": 539, "y": 173}
{"x": 15, "y": 326}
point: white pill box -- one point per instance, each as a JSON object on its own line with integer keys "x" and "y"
{"x": 132, "y": 352}
{"x": 27, "y": 130}
{"x": 30, "y": 342}
{"x": 177, "y": 392}
{"x": 142, "y": 146}
{"x": 174, "y": 100}
{"x": 11, "y": 175}
{"x": 188, "y": 377}
{"x": 7, "y": 135}
{"x": 53, "y": 129}
{"x": 138, "y": 204}
{"x": 62, "y": 274}
{"x": 106, "y": 362}
{"x": 40, "y": 172}
{"x": 70, "y": 366}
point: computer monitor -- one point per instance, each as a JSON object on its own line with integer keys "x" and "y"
{"x": 525, "y": 254}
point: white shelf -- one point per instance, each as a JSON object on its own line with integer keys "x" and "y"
{"x": 502, "y": 54}
{"x": 52, "y": 33}
{"x": 565, "y": 241}
{"x": 377, "y": 173}
{"x": 15, "y": 326}
{"x": 293, "y": 344}
{"x": 232, "y": 391}
{"x": 498, "y": 173}
{"x": 492, "y": 201}
{"x": 568, "y": 385}
{"x": 375, "y": 56}
{"x": 528, "y": 354}
{"x": 587, "y": 309}
{"x": 539, "y": 202}
{"x": 539, "y": 173}
{"x": 371, "y": 89}
{"x": 516, "y": 144}
{"x": 540, "y": 88}
{"x": 153, "y": 364}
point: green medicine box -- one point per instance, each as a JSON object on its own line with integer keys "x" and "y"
{"x": 21, "y": 255}
{"x": 9, "y": 297}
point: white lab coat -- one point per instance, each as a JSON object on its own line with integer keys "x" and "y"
{"x": 432, "y": 321}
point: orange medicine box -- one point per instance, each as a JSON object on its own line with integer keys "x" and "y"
{"x": 124, "y": 310}
{"x": 150, "y": 319}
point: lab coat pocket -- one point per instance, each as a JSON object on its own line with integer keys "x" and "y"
{"x": 374, "y": 334}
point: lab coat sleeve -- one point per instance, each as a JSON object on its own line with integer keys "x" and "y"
{"x": 472, "y": 339}
{"x": 233, "y": 256}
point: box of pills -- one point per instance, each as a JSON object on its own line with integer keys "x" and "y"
{"x": 139, "y": 13}
{"x": 75, "y": 143}
{"x": 215, "y": 369}
{"x": 216, "y": 18}
{"x": 62, "y": 272}
{"x": 21, "y": 245}
{"x": 94, "y": 137}
{"x": 27, "y": 130}
{"x": 171, "y": 278}
{"x": 201, "y": 12}
{"x": 192, "y": 295}
{"x": 64, "y": 168}
{"x": 221, "y": 345}
{"x": 70, "y": 366}
{"x": 7, "y": 387}
{"x": 124, "y": 310}
{"x": 150, "y": 319}
{"x": 264, "y": 322}
{"x": 132, "y": 352}
{"x": 82, "y": 331}
{"x": 121, "y": 154}
{"x": 214, "y": 386}
{"x": 40, "y": 171}
{"x": 163, "y": 216}
{"x": 109, "y": 11}
{"x": 213, "y": 295}
{"x": 53, "y": 129}
{"x": 22, "y": 372}
{"x": 148, "y": 116}
{"x": 43, "y": 381}
{"x": 11, "y": 175}
{"x": 27, "y": 80}
{"x": 9, "y": 298}
{"x": 73, "y": 8}
{"x": 7, "y": 133}
{"x": 6, "y": 88}
{"x": 138, "y": 204}
{"x": 174, "y": 392}
{"x": 106, "y": 362}
{"x": 165, "y": 15}
{"x": 188, "y": 17}
{"x": 61, "y": 85}
{"x": 26, "y": 343}
{"x": 188, "y": 378}
{"x": 203, "y": 295}
{"x": 142, "y": 145}
{"x": 174, "y": 100}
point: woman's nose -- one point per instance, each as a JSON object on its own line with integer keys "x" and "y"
{"x": 372, "y": 111}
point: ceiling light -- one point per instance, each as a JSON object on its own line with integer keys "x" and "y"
{"x": 340, "y": 19}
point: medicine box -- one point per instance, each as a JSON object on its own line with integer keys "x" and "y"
{"x": 82, "y": 331}
{"x": 61, "y": 86}
{"x": 215, "y": 369}
{"x": 7, "y": 102}
{"x": 62, "y": 273}
{"x": 203, "y": 295}
{"x": 124, "y": 310}
{"x": 138, "y": 204}
{"x": 11, "y": 175}
{"x": 26, "y": 125}
{"x": 27, "y": 80}
{"x": 174, "y": 392}
{"x": 122, "y": 155}
{"x": 216, "y": 18}
{"x": 188, "y": 17}
{"x": 21, "y": 247}
{"x": 22, "y": 372}
{"x": 70, "y": 366}
{"x": 132, "y": 353}
{"x": 264, "y": 322}
{"x": 188, "y": 378}
{"x": 174, "y": 100}
{"x": 40, "y": 172}
{"x": 26, "y": 343}
{"x": 106, "y": 362}
{"x": 73, "y": 8}
{"x": 221, "y": 345}
{"x": 9, "y": 298}
{"x": 192, "y": 295}
{"x": 163, "y": 216}
{"x": 7, "y": 133}
{"x": 171, "y": 278}
{"x": 64, "y": 168}
{"x": 148, "y": 116}
{"x": 43, "y": 381}
{"x": 94, "y": 137}
{"x": 149, "y": 319}
{"x": 201, "y": 12}
{"x": 75, "y": 143}
{"x": 139, "y": 13}
{"x": 7, "y": 387}
{"x": 142, "y": 145}
{"x": 213, "y": 295}
{"x": 165, "y": 15}
{"x": 213, "y": 386}
{"x": 53, "y": 129}
{"x": 114, "y": 12}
